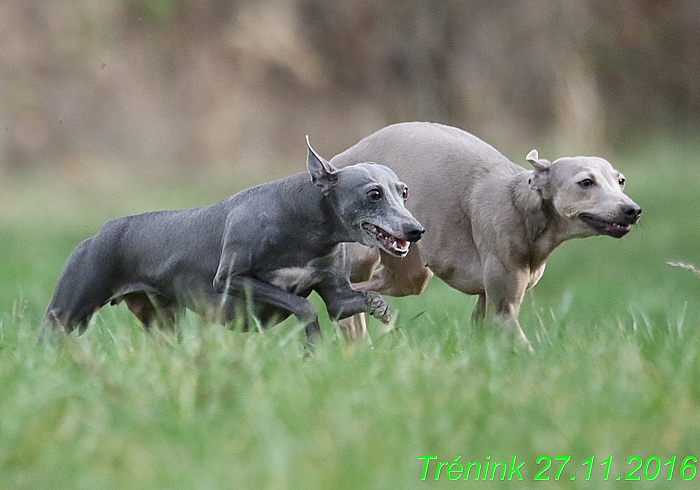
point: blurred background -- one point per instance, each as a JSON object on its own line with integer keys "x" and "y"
{"x": 168, "y": 85}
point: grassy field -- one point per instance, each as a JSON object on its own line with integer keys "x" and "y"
{"x": 615, "y": 373}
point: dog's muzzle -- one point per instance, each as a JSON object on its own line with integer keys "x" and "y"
{"x": 617, "y": 227}
{"x": 392, "y": 244}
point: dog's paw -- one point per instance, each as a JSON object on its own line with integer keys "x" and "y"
{"x": 378, "y": 308}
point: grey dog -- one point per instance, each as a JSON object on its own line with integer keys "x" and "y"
{"x": 265, "y": 248}
{"x": 491, "y": 224}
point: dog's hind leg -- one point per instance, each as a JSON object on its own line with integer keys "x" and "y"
{"x": 267, "y": 295}
{"x": 150, "y": 308}
{"x": 83, "y": 287}
{"x": 353, "y": 327}
{"x": 479, "y": 311}
{"x": 399, "y": 276}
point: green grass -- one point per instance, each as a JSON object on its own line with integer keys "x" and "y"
{"x": 615, "y": 373}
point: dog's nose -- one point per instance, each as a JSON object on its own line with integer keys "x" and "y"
{"x": 632, "y": 212}
{"x": 414, "y": 234}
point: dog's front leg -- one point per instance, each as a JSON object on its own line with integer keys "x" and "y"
{"x": 342, "y": 301}
{"x": 505, "y": 289}
{"x": 355, "y": 327}
{"x": 509, "y": 322}
{"x": 260, "y": 292}
{"x": 379, "y": 308}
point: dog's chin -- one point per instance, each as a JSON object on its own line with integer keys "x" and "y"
{"x": 605, "y": 227}
{"x": 386, "y": 241}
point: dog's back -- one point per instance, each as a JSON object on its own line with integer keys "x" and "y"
{"x": 434, "y": 160}
{"x": 420, "y": 153}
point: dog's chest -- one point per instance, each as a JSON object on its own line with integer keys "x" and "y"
{"x": 295, "y": 279}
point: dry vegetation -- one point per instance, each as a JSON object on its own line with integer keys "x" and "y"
{"x": 172, "y": 84}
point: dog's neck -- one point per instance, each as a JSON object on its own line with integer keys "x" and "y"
{"x": 337, "y": 230}
{"x": 541, "y": 224}
{"x": 325, "y": 227}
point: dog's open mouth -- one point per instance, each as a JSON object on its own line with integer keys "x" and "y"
{"x": 610, "y": 228}
{"x": 388, "y": 242}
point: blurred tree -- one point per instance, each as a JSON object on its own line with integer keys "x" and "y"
{"x": 191, "y": 81}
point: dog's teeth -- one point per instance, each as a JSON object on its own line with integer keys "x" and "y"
{"x": 388, "y": 241}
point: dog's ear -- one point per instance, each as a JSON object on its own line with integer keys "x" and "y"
{"x": 538, "y": 163}
{"x": 540, "y": 177}
{"x": 322, "y": 172}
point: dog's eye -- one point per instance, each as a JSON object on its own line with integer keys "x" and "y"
{"x": 404, "y": 194}
{"x": 622, "y": 181}
{"x": 374, "y": 195}
{"x": 586, "y": 183}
